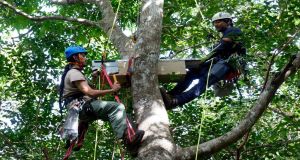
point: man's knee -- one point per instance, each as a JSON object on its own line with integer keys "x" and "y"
{"x": 120, "y": 113}
{"x": 114, "y": 106}
{"x": 196, "y": 94}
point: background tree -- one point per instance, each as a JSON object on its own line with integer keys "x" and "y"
{"x": 32, "y": 60}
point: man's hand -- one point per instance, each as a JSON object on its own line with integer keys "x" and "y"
{"x": 116, "y": 86}
{"x": 227, "y": 40}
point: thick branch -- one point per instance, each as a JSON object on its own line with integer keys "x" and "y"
{"x": 118, "y": 38}
{"x": 123, "y": 43}
{"x": 276, "y": 53}
{"x": 215, "y": 145}
{"x": 44, "y": 18}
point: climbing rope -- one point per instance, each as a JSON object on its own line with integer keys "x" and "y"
{"x": 69, "y": 151}
{"x": 113, "y": 153}
{"x": 95, "y": 147}
{"x": 203, "y": 116}
{"x": 104, "y": 54}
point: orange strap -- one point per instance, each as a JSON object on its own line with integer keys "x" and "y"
{"x": 233, "y": 75}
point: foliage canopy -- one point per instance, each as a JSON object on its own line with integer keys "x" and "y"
{"x": 32, "y": 59}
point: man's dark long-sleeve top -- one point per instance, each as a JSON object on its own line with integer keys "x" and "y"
{"x": 231, "y": 42}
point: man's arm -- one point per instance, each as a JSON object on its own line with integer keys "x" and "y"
{"x": 87, "y": 90}
{"x": 224, "y": 46}
{"x": 228, "y": 41}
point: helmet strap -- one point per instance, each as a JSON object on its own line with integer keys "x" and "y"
{"x": 79, "y": 61}
{"x": 80, "y": 65}
{"x": 228, "y": 21}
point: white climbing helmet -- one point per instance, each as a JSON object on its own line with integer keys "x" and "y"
{"x": 221, "y": 15}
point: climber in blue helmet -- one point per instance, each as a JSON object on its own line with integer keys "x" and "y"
{"x": 76, "y": 92}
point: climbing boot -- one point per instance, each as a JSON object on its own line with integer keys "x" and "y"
{"x": 169, "y": 101}
{"x": 68, "y": 144}
{"x": 133, "y": 141}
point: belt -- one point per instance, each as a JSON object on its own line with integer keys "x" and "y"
{"x": 70, "y": 98}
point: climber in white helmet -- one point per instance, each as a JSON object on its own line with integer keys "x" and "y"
{"x": 223, "y": 68}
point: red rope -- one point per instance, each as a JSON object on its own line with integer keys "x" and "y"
{"x": 130, "y": 130}
{"x": 109, "y": 82}
{"x": 69, "y": 151}
{"x": 233, "y": 75}
{"x": 82, "y": 130}
{"x": 83, "y": 127}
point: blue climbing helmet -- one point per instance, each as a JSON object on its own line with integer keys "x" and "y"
{"x": 72, "y": 50}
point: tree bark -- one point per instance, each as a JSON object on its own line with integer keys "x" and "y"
{"x": 148, "y": 105}
{"x": 108, "y": 24}
{"x": 147, "y": 102}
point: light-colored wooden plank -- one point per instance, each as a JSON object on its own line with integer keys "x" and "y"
{"x": 169, "y": 70}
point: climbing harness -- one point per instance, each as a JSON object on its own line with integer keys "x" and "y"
{"x": 72, "y": 131}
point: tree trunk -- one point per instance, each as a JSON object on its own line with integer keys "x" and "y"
{"x": 148, "y": 105}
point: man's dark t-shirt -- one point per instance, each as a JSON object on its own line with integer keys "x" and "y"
{"x": 225, "y": 49}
